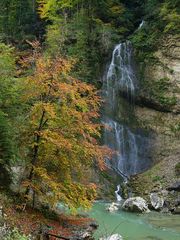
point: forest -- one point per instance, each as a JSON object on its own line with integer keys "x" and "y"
{"x": 53, "y": 58}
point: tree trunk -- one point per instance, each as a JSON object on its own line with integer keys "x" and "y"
{"x": 35, "y": 150}
{"x": 42, "y": 122}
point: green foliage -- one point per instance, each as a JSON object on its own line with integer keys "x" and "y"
{"x": 85, "y": 31}
{"x": 7, "y": 97}
{"x": 8, "y": 84}
{"x": 7, "y": 73}
{"x": 159, "y": 92}
{"x": 175, "y": 128}
{"x": 145, "y": 44}
{"x": 170, "y": 13}
{"x": 177, "y": 169}
{"x": 11, "y": 112}
{"x": 5, "y": 142}
{"x": 18, "y": 20}
{"x": 157, "y": 179}
{"x": 5, "y": 152}
{"x": 105, "y": 175}
{"x": 161, "y": 19}
{"x": 15, "y": 235}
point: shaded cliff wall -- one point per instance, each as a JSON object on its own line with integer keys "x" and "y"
{"x": 158, "y": 109}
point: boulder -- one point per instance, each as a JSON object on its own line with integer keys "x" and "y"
{"x": 86, "y": 233}
{"x": 176, "y": 210}
{"x": 113, "y": 207}
{"x": 113, "y": 237}
{"x": 177, "y": 201}
{"x": 157, "y": 201}
{"x": 165, "y": 210}
{"x": 17, "y": 175}
{"x": 175, "y": 187}
{"x": 164, "y": 193}
{"x": 135, "y": 204}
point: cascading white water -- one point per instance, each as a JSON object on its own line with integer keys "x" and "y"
{"x": 120, "y": 75}
{"x": 119, "y": 136}
{"x": 141, "y": 24}
{"x": 118, "y": 194}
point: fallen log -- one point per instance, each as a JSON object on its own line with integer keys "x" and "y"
{"x": 56, "y": 236}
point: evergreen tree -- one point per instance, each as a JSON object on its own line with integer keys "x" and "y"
{"x": 19, "y": 20}
{"x": 7, "y": 71}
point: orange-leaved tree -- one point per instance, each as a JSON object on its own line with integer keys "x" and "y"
{"x": 62, "y": 132}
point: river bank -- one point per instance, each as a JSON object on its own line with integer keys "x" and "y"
{"x": 21, "y": 222}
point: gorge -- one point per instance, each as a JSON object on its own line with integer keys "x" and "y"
{"x": 89, "y": 119}
{"x": 134, "y": 148}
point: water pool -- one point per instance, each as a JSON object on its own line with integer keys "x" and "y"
{"x": 152, "y": 226}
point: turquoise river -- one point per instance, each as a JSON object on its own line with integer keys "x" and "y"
{"x": 151, "y": 226}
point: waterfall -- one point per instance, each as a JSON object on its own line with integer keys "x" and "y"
{"x": 118, "y": 194}
{"x": 120, "y": 75}
{"x": 128, "y": 145}
{"x": 141, "y": 24}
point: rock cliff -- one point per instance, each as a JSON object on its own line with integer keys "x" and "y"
{"x": 158, "y": 108}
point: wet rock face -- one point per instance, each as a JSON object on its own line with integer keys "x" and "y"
{"x": 135, "y": 204}
{"x": 158, "y": 112}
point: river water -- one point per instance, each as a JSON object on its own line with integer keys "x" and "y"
{"x": 151, "y": 226}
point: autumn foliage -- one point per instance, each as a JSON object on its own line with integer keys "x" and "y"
{"x": 62, "y": 132}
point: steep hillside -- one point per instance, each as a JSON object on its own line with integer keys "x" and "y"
{"x": 158, "y": 100}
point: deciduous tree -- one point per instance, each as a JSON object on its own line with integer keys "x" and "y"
{"x": 62, "y": 132}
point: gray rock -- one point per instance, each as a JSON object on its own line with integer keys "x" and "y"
{"x": 113, "y": 207}
{"x": 165, "y": 210}
{"x": 164, "y": 193}
{"x": 157, "y": 201}
{"x": 136, "y": 204}
{"x": 86, "y": 233}
{"x": 177, "y": 201}
{"x": 17, "y": 174}
{"x": 176, "y": 210}
{"x": 3, "y": 230}
{"x": 113, "y": 237}
{"x": 175, "y": 187}
{"x": 167, "y": 204}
